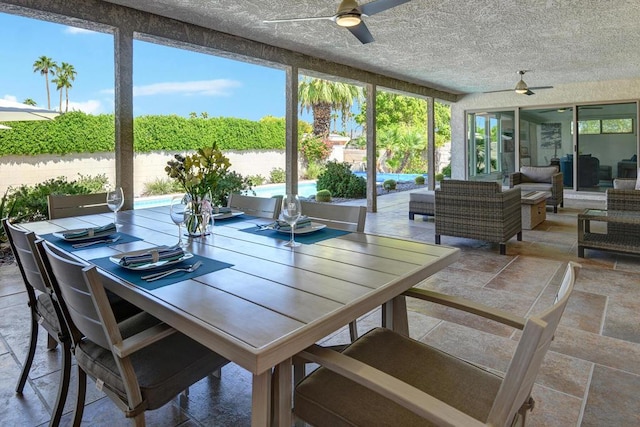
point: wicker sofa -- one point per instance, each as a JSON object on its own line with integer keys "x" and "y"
{"x": 478, "y": 210}
{"x": 540, "y": 178}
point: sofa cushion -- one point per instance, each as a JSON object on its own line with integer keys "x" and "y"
{"x": 538, "y": 173}
{"x": 624, "y": 184}
{"x": 423, "y": 197}
{"x": 528, "y": 187}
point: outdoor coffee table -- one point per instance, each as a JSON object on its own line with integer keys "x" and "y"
{"x": 534, "y": 208}
{"x": 619, "y": 242}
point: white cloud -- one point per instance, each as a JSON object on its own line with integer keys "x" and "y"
{"x": 76, "y": 30}
{"x": 90, "y": 107}
{"x": 218, "y": 87}
{"x": 10, "y": 98}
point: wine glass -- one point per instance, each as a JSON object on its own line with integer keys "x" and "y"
{"x": 115, "y": 200}
{"x": 178, "y": 211}
{"x": 291, "y": 213}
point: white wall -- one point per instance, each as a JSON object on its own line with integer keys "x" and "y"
{"x": 30, "y": 170}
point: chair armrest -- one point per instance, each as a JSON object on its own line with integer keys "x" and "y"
{"x": 514, "y": 179}
{"x": 468, "y": 306}
{"x": 413, "y": 399}
{"x": 556, "y": 184}
{"x": 142, "y": 339}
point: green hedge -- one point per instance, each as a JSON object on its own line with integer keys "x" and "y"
{"x": 77, "y": 132}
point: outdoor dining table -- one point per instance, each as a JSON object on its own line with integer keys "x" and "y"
{"x": 255, "y": 301}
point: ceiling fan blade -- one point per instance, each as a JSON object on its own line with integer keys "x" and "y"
{"x": 378, "y": 6}
{"x": 540, "y": 87}
{"x": 311, "y": 18}
{"x": 361, "y": 32}
{"x": 529, "y": 92}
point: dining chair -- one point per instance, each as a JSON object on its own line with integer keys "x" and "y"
{"x": 264, "y": 207}
{"x": 341, "y": 217}
{"x": 386, "y": 378}
{"x": 63, "y": 206}
{"x": 140, "y": 363}
{"x": 44, "y": 312}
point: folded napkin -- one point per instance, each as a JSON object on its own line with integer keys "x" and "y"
{"x": 89, "y": 232}
{"x": 282, "y": 225}
{"x": 153, "y": 255}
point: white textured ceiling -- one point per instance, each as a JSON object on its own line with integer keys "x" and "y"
{"x": 454, "y": 45}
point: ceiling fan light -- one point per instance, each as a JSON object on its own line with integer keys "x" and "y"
{"x": 348, "y": 20}
{"x": 521, "y": 87}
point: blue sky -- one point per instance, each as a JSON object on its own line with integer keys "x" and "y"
{"x": 166, "y": 80}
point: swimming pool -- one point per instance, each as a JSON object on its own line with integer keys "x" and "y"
{"x": 305, "y": 188}
{"x": 381, "y": 177}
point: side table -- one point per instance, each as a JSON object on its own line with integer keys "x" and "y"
{"x": 534, "y": 208}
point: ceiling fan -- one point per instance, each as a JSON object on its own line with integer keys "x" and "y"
{"x": 521, "y": 87}
{"x": 349, "y": 15}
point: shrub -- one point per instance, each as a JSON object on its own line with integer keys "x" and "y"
{"x": 419, "y": 180}
{"x": 338, "y": 179}
{"x": 30, "y": 202}
{"x": 256, "y": 180}
{"x": 277, "y": 175}
{"x": 323, "y": 196}
{"x": 389, "y": 184}
{"x": 314, "y": 149}
{"x": 162, "y": 186}
{"x": 446, "y": 171}
{"x": 314, "y": 170}
{"x": 93, "y": 184}
{"x": 439, "y": 177}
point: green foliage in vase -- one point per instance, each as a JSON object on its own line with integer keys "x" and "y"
{"x": 338, "y": 179}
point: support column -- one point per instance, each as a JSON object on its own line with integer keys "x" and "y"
{"x": 431, "y": 145}
{"x": 372, "y": 193}
{"x": 291, "y": 153}
{"x": 123, "y": 58}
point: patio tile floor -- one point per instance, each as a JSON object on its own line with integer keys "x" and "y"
{"x": 590, "y": 377}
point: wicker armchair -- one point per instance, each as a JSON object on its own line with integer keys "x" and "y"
{"x": 540, "y": 178}
{"x": 623, "y": 200}
{"x": 478, "y": 210}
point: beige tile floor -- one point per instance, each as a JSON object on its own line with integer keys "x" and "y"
{"x": 591, "y": 376}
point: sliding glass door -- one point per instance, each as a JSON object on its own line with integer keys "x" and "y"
{"x": 491, "y": 144}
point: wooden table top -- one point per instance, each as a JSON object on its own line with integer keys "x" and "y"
{"x": 274, "y": 301}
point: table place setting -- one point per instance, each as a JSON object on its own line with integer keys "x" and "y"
{"x": 157, "y": 267}
{"x": 81, "y": 238}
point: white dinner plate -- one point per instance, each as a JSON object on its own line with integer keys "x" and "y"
{"x": 305, "y": 230}
{"x": 163, "y": 263}
{"x": 227, "y": 215}
{"x": 60, "y": 235}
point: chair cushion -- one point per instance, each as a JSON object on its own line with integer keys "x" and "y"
{"x": 538, "y": 173}
{"x": 534, "y": 186}
{"x": 423, "y": 197}
{"x": 624, "y": 184}
{"x": 164, "y": 368}
{"x": 326, "y": 398}
{"x": 49, "y": 317}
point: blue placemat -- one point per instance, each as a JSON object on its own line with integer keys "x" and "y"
{"x": 68, "y": 246}
{"x": 133, "y": 276}
{"x": 307, "y": 239}
{"x": 233, "y": 220}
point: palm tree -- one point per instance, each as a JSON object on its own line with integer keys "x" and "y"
{"x": 29, "y": 101}
{"x": 45, "y": 65}
{"x": 61, "y": 82}
{"x": 322, "y": 97}
{"x": 69, "y": 72}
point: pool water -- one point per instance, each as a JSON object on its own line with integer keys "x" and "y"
{"x": 399, "y": 177}
{"x": 305, "y": 188}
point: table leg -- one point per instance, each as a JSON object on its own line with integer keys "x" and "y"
{"x": 261, "y": 399}
{"x": 394, "y": 315}
{"x": 282, "y": 394}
